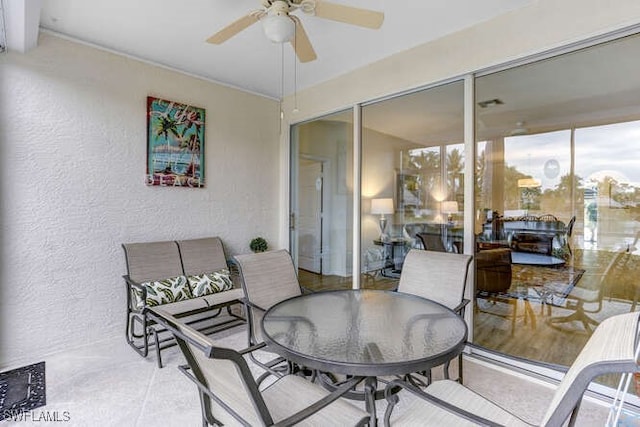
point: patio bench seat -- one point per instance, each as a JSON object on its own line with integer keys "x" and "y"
{"x": 184, "y": 277}
{"x": 200, "y": 304}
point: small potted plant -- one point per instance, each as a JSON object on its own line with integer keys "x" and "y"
{"x": 258, "y": 245}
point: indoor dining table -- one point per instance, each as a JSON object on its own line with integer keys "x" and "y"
{"x": 367, "y": 333}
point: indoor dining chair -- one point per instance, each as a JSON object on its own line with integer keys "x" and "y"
{"x": 440, "y": 277}
{"x": 612, "y": 349}
{"x": 432, "y": 242}
{"x": 494, "y": 272}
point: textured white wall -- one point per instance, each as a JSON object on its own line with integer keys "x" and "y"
{"x": 72, "y": 165}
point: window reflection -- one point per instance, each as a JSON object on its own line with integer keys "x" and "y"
{"x": 559, "y": 190}
{"x": 418, "y": 160}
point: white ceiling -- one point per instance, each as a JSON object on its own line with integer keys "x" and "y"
{"x": 173, "y": 33}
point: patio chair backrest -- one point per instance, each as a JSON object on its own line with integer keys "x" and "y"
{"x": 438, "y": 276}
{"x": 202, "y": 255}
{"x": 611, "y": 349}
{"x": 224, "y": 372}
{"x": 267, "y": 279}
{"x": 152, "y": 260}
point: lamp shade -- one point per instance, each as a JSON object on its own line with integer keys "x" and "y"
{"x": 529, "y": 183}
{"x": 278, "y": 28}
{"x": 382, "y": 206}
{"x": 449, "y": 207}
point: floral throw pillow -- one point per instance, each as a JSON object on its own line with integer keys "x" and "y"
{"x": 165, "y": 291}
{"x": 210, "y": 283}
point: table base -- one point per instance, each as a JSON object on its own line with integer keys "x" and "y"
{"x": 369, "y": 395}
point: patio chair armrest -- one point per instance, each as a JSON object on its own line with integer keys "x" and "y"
{"x": 318, "y": 405}
{"x": 392, "y": 398}
{"x": 248, "y": 303}
{"x": 460, "y": 307}
{"x": 252, "y": 348}
{"x": 133, "y": 284}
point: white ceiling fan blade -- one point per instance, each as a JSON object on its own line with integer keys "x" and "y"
{"x": 234, "y": 28}
{"x": 348, "y": 15}
{"x": 301, "y": 43}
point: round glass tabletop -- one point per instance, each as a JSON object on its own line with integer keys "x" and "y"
{"x": 364, "y": 332}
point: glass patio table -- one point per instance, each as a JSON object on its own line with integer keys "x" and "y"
{"x": 368, "y": 333}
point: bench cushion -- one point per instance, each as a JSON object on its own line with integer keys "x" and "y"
{"x": 210, "y": 283}
{"x": 165, "y": 291}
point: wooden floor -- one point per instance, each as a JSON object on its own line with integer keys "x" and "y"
{"x": 532, "y": 336}
{"x": 319, "y": 282}
{"x": 524, "y": 328}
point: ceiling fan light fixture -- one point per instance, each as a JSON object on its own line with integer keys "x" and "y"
{"x": 519, "y": 130}
{"x": 278, "y": 28}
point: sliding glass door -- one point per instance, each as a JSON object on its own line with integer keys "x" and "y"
{"x": 556, "y": 209}
{"x": 412, "y": 179}
{"x": 558, "y": 186}
{"x": 321, "y": 212}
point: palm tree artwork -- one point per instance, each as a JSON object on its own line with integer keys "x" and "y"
{"x": 175, "y": 134}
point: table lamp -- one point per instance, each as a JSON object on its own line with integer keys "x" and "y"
{"x": 449, "y": 207}
{"x": 382, "y": 207}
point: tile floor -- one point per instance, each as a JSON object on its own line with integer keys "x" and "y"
{"x": 107, "y": 384}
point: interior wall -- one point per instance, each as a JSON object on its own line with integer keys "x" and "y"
{"x": 380, "y": 163}
{"x": 73, "y": 156}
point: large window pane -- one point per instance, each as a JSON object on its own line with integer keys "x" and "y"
{"x": 412, "y": 157}
{"x": 557, "y": 187}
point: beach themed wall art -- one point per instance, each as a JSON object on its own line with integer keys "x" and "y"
{"x": 175, "y": 144}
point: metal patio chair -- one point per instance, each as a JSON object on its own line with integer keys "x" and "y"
{"x": 229, "y": 395}
{"x": 267, "y": 278}
{"x": 611, "y": 349}
{"x": 440, "y": 277}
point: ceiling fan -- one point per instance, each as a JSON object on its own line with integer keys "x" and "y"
{"x": 280, "y": 25}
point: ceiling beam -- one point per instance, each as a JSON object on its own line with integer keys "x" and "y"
{"x": 22, "y": 21}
